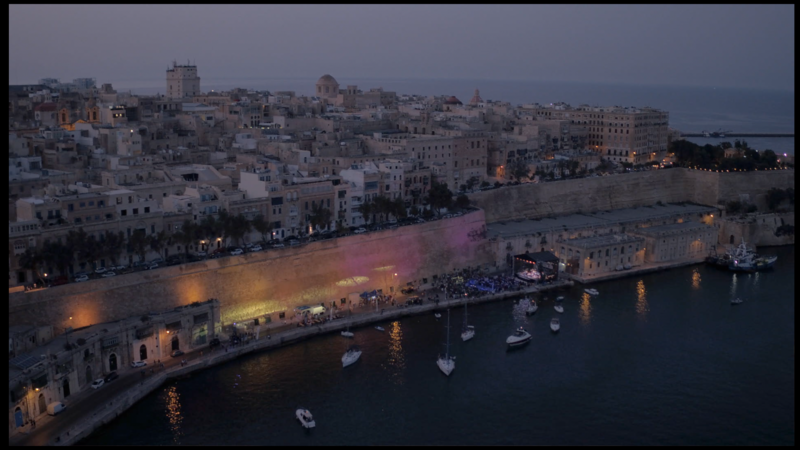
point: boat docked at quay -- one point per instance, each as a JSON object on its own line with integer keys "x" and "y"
{"x": 742, "y": 259}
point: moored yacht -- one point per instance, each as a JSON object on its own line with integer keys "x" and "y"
{"x": 446, "y": 362}
{"x": 555, "y": 325}
{"x": 558, "y": 308}
{"x": 592, "y": 291}
{"x": 351, "y": 355}
{"x": 305, "y": 418}
{"x": 531, "y": 308}
{"x": 519, "y": 337}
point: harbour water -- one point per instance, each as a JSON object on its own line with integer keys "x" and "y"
{"x": 691, "y": 109}
{"x": 662, "y": 358}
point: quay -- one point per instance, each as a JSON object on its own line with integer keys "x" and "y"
{"x": 90, "y": 412}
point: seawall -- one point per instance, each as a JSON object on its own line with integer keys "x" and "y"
{"x": 265, "y": 283}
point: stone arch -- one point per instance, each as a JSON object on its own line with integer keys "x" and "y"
{"x": 65, "y": 385}
{"x": 112, "y": 362}
{"x": 143, "y": 352}
{"x": 176, "y": 343}
{"x": 42, "y": 404}
{"x": 731, "y": 240}
{"x": 88, "y": 374}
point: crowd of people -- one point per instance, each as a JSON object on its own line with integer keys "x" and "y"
{"x": 472, "y": 283}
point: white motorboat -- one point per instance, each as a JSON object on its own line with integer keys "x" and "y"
{"x": 518, "y": 338}
{"x": 555, "y": 325}
{"x": 592, "y": 291}
{"x": 736, "y": 301}
{"x": 468, "y": 331}
{"x": 347, "y": 333}
{"x": 560, "y": 298}
{"x": 305, "y": 418}
{"x": 379, "y": 328}
{"x": 437, "y": 315}
{"x": 559, "y": 308}
{"x": 532, "y": 308}
{"x": 351, "y": 355}
{"x": 446, "y": 362}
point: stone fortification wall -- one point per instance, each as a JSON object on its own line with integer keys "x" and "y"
{"x": 582, "y": 195}
{"x": 627, "y": 190}
{"x": 757, "y": 229}
{"x": 262, "y": 283}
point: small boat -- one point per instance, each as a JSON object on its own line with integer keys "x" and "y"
{"x": 736, "y": 301}
{"x": 347, "y": 332}
{"x": 379, "y": 328}
{"x": 555, "y": 325}
{"x": 559, "y": 308}
{"x": 560, "y": 298}
{"x": 532, "y": 308}
{"x": 437, "y": 315}
{"x": 519, "y": 337}
{"x": 351, "y": 355}
{"x": 446, "y": 362}
{"x": 305, "y": 418}
{"x": 468, "y": 331}
{"x": 592, "y": 291}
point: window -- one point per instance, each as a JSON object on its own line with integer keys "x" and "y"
{"x": 124, "y": 212}
{"x": 70, "y": 207}
{"x": 135, "y": 211}
{"x": 82, "y": 204}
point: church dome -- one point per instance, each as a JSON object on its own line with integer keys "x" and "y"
{"x": 452, "y": 101}
{"x": 327, "y": 79}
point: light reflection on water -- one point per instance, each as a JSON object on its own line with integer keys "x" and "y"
{"x": 586, "y": 308}
{"x": 396, "y": 361}
{"x": 696, "y": 279}
{"x": 733, "y": 285}
{"x": 173, "y": 413}
{"x": 641, "y": 299}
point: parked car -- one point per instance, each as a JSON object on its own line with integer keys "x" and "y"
{"x": 391, "y": 221}
{"x": 59, "y": 281}
{"x": 176, "y": 353}
{"x": 111, "y": 377}
{"x": 236, "y": 251}
{"x": 100, "y": 270}
{"x": 55, "y": 408}
{"x": 278, "y": 245}
{"x": 294, "y": 242}
{"x": 407, "y": 290}
{"x": 96, "y": 384}
{"x": 109, "y": 274}
{"x": 80, "y": 279}
{"x": 152, "y": 266}
{"x": 136, "y": 364}
{"x": 214, "y": 342}
{"x": 360, "y": 230}
{"x": 157, "y": 261}
{"x": 201, "y": 254}
{"x": 120, "y": 267}
{"x": 256, "y": 248}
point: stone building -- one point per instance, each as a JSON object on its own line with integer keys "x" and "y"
{"x": 182, "y": 81}
{"x": 59, "y": 367}
{"x": 677, "y": 240}
{"x": 597, "y": 255}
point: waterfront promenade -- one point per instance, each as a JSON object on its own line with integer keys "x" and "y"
{"x": 88, "y": 409}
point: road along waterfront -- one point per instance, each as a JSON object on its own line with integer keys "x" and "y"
{"x": 661, "y": 358}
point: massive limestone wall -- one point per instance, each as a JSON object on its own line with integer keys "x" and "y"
{"x": 258, "y": 284}
{"x": 582, "y": 195}
{"x": 756, "y": 229}
{"x": 626, "y": 191}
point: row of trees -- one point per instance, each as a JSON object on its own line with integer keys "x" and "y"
{"x": 689, "y": 154}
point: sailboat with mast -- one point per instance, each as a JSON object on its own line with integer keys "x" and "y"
{"x": 446, "y": 362}
{"x": 467, "y": 331}
{"x": 348, "y": 333}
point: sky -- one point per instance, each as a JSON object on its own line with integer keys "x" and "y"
{"x": 738, "y": 46}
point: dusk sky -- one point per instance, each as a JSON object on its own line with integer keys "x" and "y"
{"x": 745, "y": 46}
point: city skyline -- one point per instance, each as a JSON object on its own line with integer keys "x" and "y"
{"x": 740, "y": 46}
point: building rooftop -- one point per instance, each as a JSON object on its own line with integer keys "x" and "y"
{"x": 602, "y": 241}
{"x": 672, "y": 228}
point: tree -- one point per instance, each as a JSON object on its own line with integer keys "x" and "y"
{"x": 733, "y": 207}
{"x": 58, "y": 255}
{"x": 414, "y": 210}
{"x": 462, "y": 201}
{"x": 187, "y": 234}
{"x": 238, "y": 226}
{"x": 158, "y": 241}
{"x": 112, "y": 245}
{"x": 774, "y": 198}
{"x": 366, "y": 209}
{"x": 440, "y": 196}
{"x": 263, "y": 227}
{"x": 399, "y": 208}
{"x": 519, "y": 169}
{"x": 138, "y": 243}
{"x": 485, "y": 183}
{"x": 31, "y": 260}
{"x": 427, "y": 213}
{"x": 471, "y": 182}
{"x": 320, "y": 216}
